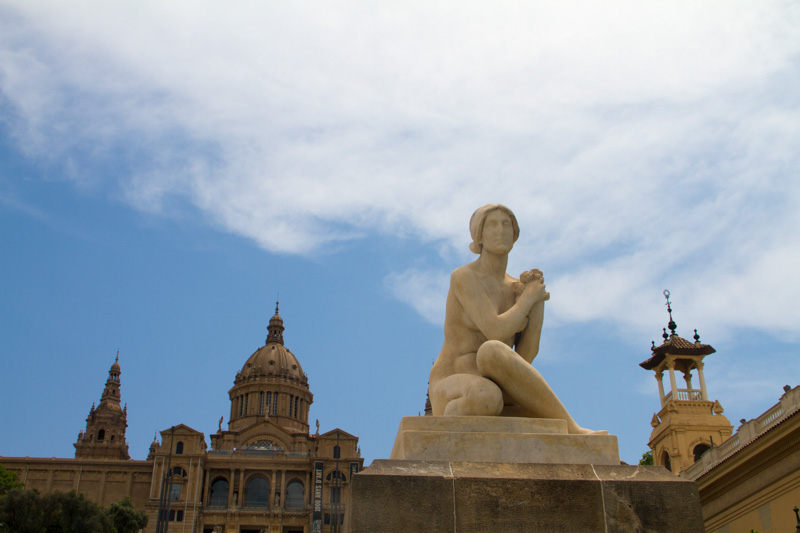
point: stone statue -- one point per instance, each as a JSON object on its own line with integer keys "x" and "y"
{"x": 493, "y": 324}
{"x": 219, "y": 430}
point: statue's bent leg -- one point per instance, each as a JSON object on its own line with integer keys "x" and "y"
{"x": 523, "y": 383}
{"x": 466, "y": 395}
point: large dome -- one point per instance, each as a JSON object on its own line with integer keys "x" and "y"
{"x": 271, "y": 385}
{"x": 273, "y": 359}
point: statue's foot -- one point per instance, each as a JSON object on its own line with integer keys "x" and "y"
{"x": 577, "y": 430}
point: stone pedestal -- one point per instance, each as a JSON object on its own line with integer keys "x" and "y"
{"x": 392, "y": 496}
{"x": 498, "y": 474}
{"x": 499, "y": 439}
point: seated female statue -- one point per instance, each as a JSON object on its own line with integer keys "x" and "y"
{"x": 492, "y": 327}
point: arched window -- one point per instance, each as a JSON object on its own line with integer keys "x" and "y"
{"x": 295, "y": 495}
{"x": 257, "y": 493}
{"x": 179, "y": 448}
{"x": 699, "y": 450}
{"x": 336, "y": 475}
{"x": 219, "y": 493}
{"x": 101, "y": 434}
{"x": 337, "y": 452}
{"x": 667, "y": 462}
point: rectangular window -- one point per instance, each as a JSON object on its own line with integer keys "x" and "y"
{"x": 269, "y": 397}
{"x": 175, "y": 491}
{"x": 275, "y": 404}
{"x": 246, "y": 398}
{"x": 241, "y": 405}
{"x": 261, "y": 403}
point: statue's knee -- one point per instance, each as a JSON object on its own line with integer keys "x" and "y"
{"x": 490, "y": 354}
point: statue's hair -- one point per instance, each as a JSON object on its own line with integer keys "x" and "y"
{"x": 479, "y": 217}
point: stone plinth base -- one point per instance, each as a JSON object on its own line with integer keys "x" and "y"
{"x": 412, "y": 496}
{"x": 499, "y": 439}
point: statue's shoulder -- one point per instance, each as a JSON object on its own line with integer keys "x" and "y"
{"x": 462, "y": 276}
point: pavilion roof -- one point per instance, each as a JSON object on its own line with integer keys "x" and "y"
{"x": 675, "y": 345}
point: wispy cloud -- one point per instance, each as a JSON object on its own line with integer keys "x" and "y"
{"x": 640, "y": 144}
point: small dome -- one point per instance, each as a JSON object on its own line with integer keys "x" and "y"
{"x": 115, "y": 368}
{"x": 273, "y": 359}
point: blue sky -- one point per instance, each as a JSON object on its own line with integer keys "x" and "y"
{"x": 168, "y": 170}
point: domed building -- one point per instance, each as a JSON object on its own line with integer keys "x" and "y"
{"x": 265, "y": 473}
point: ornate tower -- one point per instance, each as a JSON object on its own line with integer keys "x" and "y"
{"x": 104, "y": 437}
{"x": 270, "y": 399}
{"x": 688, "y": 423}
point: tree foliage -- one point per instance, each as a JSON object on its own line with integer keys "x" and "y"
{"x": 8, "y": 481}
{"x": 125, "y": 518}
{"x": 26, "y": 511}
{"x": 647, "y": 458}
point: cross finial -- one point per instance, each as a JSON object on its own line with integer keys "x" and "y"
{"x": 671, "y": 325}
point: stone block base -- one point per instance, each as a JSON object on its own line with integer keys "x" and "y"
{"x": 499, "y": 439}
{"x": 412, "y": 496}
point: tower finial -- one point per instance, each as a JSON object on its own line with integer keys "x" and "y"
{"x": 671, "y": 325}
{"x": 277, "y": 302}
{"x": 117, "y": 359}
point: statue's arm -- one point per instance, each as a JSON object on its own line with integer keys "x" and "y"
{"x": 528, "y": 344}
{"x": 483, "y": 313}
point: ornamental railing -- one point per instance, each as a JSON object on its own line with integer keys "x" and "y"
{"x": 747, "y": 433}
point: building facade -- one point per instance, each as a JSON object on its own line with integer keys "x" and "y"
{"x": 265, "y": 473}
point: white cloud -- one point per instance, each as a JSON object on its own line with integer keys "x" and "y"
{"x": 640, "y": 144}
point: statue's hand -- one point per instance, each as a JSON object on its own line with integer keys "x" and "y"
{"x": 531, "y": 275}
{"x": 536, "y": 290}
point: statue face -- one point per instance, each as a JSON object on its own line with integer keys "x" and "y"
{"x": 497, "y": 236}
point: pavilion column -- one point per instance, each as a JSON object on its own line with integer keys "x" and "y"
{"x": 687, "y": 377}
{"x": 659, "y": 379}
{"x": 283, "y": 489}
{"x": 672, "y": 383}
{"x": 274, "y": 487}
{"x": 206, "y": 497}
{"x": 307, "y": 495}
{"x": 703, "y": 391}
{"x": 241, "y": 488}
{"x": 230, "y": 488}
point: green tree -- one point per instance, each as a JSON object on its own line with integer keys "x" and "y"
{"x": 125, "y": 518}
{"x": 76, "y": 514}
{"x": 8, "y": 481}
{"x": 647, "y": 458}
{"x": 21, "y": 511}
{"x": 26, "y": 511}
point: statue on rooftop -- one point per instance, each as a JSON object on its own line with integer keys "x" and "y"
{"x": 493, "y": 324}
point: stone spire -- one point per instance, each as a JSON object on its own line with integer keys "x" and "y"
{"x": 111, "y": 394}
{"x": 275, "y": 328}
{"x": 104, "y": 436}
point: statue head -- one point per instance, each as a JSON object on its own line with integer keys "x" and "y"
{"x": 479, "y": 217}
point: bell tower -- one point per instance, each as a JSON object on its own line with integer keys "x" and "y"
{"x": 688, "y": 423}
{"x": 104, "y": 437}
